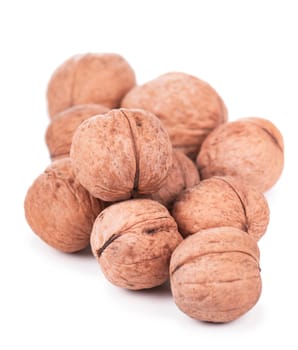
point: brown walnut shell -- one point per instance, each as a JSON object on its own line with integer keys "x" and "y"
{"x": 121, "y": 153}
{"x": 221, "y": 201}
{"x": 90, "y": 78}
{"x": 182, "y": 175}
{"x": 188, "y": 107}
{"x": 133, "y": 242}
{"x": 250, "y": 149}
{"x": 62, "y": 127}
{"x": 59, "y": 210}
{"x": 215, "y": 274}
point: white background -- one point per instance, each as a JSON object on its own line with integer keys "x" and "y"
{"x": 247, "y": 50}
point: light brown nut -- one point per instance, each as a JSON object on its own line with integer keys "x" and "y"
{"x": 133, "y": 242}
{"x": 183, "y": 174}
{"x": 215, "y": 274}
{"x": 250, "y": 149}
{"x": 221, "y": 201}
{"x": 62, "y": 127}
{"x": 121, "y": 153}
{"x": 188, "y": 107}
{"x": 59, "y": 210}
{"x": 90, "y": 78}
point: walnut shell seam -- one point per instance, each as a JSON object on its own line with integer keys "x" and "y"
{"x": 273, "y": 138}
{"x": 246, "y": 224}
{"x": 136, "y": 154}
{"x": 135, "y": 225}
{"x": 194, "y": 258}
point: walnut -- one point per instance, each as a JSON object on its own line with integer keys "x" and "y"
{"x": 183, "y": 174}
{"x": 215, "y": 274}
{"x": 188, "y": 107}
{"x": 121, "y": 153}
{"x": 59, "y": 210}
{"x": 62, "y": 127}
{"x": 250, "y": 149}
{"x": 221, "y": 201}
{"x": 90, "y": 78}
{"x": 133, "y": 242}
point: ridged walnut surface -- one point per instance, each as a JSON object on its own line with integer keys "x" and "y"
{"x": 59, "y": 210}
{"x": 133, "y": 242}
{"x": 62, "y": 127}
{"x": 221, "y": 201}
{"x": 215, "y": 274}
{"x": 90, "y": 78}
{"x": 183, "y": 174}
{"x": 250, "y": 149}
{"x": 188, "y": 107}
{"x": 121, "y": 153}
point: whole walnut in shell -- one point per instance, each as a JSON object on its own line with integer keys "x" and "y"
{"x": 215, "y": 274}
{"x": 59, "y": 210}
{"x": 133, "y": 242}
{"x": 250, "y": 149}
{"x": 221, "y": 201}
{"x": 188, "y": 107}
{"x": 90, "y": 78}
{"x": 121, "y": 153}
{"x": 62, "y": 127}
{"x": 183, "y": 174}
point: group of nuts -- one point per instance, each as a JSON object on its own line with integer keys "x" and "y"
{"x": 158, "y": 181}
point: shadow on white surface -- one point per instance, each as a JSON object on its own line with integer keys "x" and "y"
{"x": 160, "y": 292}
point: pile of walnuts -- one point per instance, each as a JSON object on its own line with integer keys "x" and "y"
{"x": 158, "y": 181}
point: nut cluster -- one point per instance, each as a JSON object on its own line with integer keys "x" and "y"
{"x": 123, "y": 180}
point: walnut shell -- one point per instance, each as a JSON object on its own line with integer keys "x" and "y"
{"x": 221, "y": 201}
{"x": 250, "y": 149}
{"x": 215, "y": 274}
{"x": 133, "y": 242}
{"x": 121, "y": 153}
{"x": 62, "y": 127}
{"x": 188, "y": 107}
{"x": 59, "y": 210}
{"x": 182, "y": 174}
{"x": 90, "y": 78}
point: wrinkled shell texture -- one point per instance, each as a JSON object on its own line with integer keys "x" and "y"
{"x": 89, "y": 78}
{"x": 62, "y": 127}
{"x": 250, "y": 149}
{"x": 215, "y": 274}
{"x": 134, "y": 250}
{"x": 188, "y": 107}
{"x": 183, "y": 174}
{"x": 142, "y": 164}
{"x": 59, "y": 210}
{"x": 221, "y": 201}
